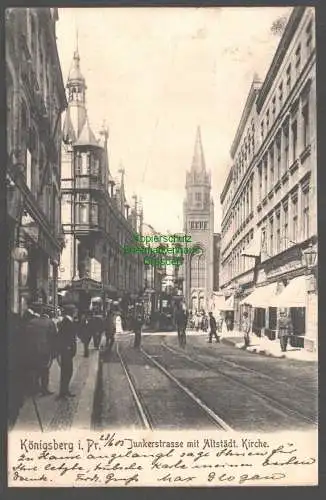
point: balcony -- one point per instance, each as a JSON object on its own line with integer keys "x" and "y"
{"x": 89, "y": 183}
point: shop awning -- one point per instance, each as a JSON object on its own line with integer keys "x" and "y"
{"x": 293, "y": 295}
{"x": 261, "y": 296}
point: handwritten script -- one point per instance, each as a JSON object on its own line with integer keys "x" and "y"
{"x": 119, "y": 459}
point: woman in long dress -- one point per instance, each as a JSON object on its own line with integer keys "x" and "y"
{"x": 118, "y": 323}
{"x": 224, "y": 326}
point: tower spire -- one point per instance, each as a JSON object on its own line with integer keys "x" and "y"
{"x": 77, "y": 51}
{"x": 198, "y": 160}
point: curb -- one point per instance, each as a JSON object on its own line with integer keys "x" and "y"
{"x": 258, "y": 350}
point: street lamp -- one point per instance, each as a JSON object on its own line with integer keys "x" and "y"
{"x": 309, "y": 257}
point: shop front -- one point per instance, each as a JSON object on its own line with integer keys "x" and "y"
{"x": 33, "y": 264}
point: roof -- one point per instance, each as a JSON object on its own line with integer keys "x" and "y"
{"x": 87, "y": 137}
{"x": 75, "y": 74}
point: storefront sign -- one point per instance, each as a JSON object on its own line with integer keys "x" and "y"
{"x": 286, "y": 268}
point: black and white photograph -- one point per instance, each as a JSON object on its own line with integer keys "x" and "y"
{"x": 162, "y": 260}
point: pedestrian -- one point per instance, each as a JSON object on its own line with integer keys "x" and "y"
{"x": 85, "y": 333}
{"x": 246, "y": 327}
{"x": 67, "y": 347}
{"x": 138, "y": 323}
{"x": 110, "y": 331}
{"x": 181, "y": 323}
{"x": 197, "y": 322}
{"x": 213, "y": 328}
{"x": 118, "y": 322}
{"x": 224, "y": 328}
{"x": 285, "y": 330}
{"x": 96, "y": 327}
{"x": 40, "y": 342}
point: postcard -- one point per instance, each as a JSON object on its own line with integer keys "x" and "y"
{"x": 163, "y": 248}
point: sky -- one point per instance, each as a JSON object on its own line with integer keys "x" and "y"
{"x": 155, "y": 74}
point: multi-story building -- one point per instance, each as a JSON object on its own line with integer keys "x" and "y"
{"x": 198, "y": 216}
{"x": 35, "y": 102}
{"x": 277, "y": 231}
{"x": 96, "y": 217}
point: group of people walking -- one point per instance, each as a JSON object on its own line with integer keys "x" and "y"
{"x": 183, "y": 319}
{"x": 43, "y": 339}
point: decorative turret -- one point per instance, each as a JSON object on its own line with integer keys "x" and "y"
{"x": 76, "y": 115}
{"x": 121, "y": 196}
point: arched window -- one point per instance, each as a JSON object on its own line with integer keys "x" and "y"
{"x": 201, "y": 270}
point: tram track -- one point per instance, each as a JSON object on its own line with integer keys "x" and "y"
{"x": 253, "y": 371}
{"x": 143, "y": 407}
{"x": 274, "y": 403}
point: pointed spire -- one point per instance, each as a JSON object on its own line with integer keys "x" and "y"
{"x": 198, "y": 160}
{"x": 75, "y": 73}
{"x": 86, "y": 136}
{"x": 122, "y": 172}
{"x": 76, "y": 51}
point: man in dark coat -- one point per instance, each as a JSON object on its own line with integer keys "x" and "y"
{"x": 246, "y": 327}
{"x": 138, "y": 323}
{"x": 285, "y": 330}
{"x": 212, "y": 328}
{"x": 110, "y": 330}
{"x": 181, "y": 319}
{"x": 67, "y": 347}
{"x": 40, "y": 342}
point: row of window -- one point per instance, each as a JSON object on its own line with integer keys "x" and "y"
{"x": 288, "y": 224}
{"x": 245, "y": 155}
{"x": 198, "y": 225}
{"x": 293, "y": 70}
{"x": 238, "y": 263}
{"x": 302, "y": 51}
{"x": 241, "y": 211}
{"x": 87, "y": 164}
{"x": 292, "y": 138}
{"x": 89, "y": 211}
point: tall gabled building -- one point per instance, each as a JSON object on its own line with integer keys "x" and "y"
{"x": 95, "y": 212}
{"x": 199, "y": 223}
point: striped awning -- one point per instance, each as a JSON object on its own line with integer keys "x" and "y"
{"x": 262, "y": 296}
{"x": 293, "y": 295}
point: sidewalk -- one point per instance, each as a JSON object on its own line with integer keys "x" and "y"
{"x": 63, "y": 414}
{"x": 267, "y": 347}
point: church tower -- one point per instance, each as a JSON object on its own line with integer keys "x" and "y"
{"x": 198, "y": 216}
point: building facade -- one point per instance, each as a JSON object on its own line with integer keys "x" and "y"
{"x": 216, "y": 261}
{"x": 269, "y": 222}
{"x": 97, "y": 220}
{"x": 198, "y": 215}
{"x": 35, "y": 102}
